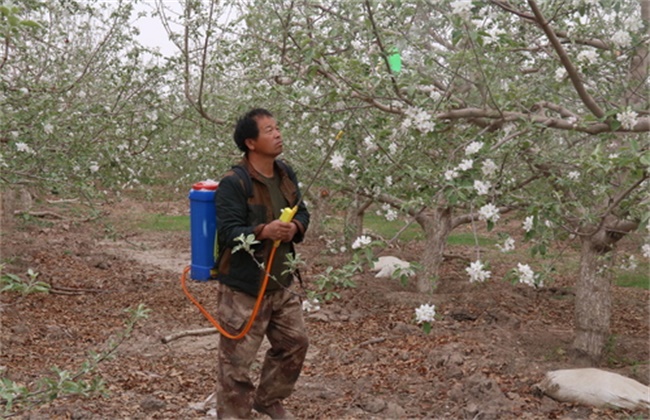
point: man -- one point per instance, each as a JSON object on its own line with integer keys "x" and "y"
{"x": 274, "y": 187}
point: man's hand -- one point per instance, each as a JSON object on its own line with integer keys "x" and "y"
{"x": 279, "y": 231}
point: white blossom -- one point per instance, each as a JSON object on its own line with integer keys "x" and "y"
{"x": 481, "y": 187}
{"x": 473, "y": 148}
{"x": 94, "y": 167}
{"x": 466, "y": 164}
{"x": 451, "y": 174}
{"x": 622, "y": 38}
{"x": 587, "y": 57}
{"x": 425, "y": 313}
{"x": 361, "y": 241}
{"x": 476, "y": 272}
{"x": 275, "y": 70}
{"x": 573, "y": 175}
{"x": 646, "y": 250}
{"x": 633, "y": 23}
{"x": 392, "y": 148}
{"x": 489, "y": 212}
{"x": 508, "y": 244}
{"x": 310, "y": 305}
{"x": 48, "y": 128}
{"x": 420, "y": 118}
{"x": 389, "y": 180}
{"x": 315, "y": 130}
{"x": 489, "y": 168}
{"x": 337, "y": 160}
{"x": 462, "y": 8}
{"x": 627, "y": 118}
{"x": 391, "y": 215}
{"x": 370, "y": 144}
{"x": 526, "y": 274}
{"x": 24, "y": 147}
{"x": 528, "y": 223}
{"x": 560, "y": 73}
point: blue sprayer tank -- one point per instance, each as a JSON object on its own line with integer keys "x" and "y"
{"x": 203, "y": 228}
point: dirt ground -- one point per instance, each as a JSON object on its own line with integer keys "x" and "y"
{"x": 367, "y": 359}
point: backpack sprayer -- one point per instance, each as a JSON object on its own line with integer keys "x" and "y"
{"x": 286, "y": 216}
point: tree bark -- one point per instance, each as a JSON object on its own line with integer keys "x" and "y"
{"x": 354, "y": 219}
{"x": 437, "y": 226}
{"x": 593, "y": 289}
{"x": 593, "y": 302}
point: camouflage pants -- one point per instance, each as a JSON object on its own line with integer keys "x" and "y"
{"x": 280, "y": 319}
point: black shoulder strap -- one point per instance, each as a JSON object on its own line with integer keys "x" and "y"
{"x": 289, "y": 170}
{"x": 248, "y": 184}
{"x": 243, "y": 175}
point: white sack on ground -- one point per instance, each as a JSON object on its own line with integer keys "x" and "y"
{"x": 386, "y": 266}
{"x": 596, "y": 387}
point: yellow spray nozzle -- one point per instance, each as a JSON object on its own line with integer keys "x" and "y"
{"x": 286, "y": 216}
{"x": 288, "y": 213}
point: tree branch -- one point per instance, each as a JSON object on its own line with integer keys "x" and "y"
{"x": 587, "y": 99}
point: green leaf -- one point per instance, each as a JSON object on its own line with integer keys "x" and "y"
{"x": 645, "y": 159}
{"x": 30, "y": 24}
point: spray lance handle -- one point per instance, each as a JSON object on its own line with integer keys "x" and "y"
{"x": 286, "y": 216}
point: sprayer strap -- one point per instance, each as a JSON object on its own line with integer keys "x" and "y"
{"x": 242, "y": 173}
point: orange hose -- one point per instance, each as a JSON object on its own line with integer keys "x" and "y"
{"x": 256, "y": 308}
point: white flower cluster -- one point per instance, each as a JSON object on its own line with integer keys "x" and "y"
{"x": 482, "y": 187}
{"x": 489, "y": 212}
{"x": 425, "y": 313}
{"x": 489, "y": 168}
{"x": 508, "y": 244}
{"x": 312, "y": 305}
{"x": 633, "y": 23}
{"x": 419, "y": 118}
{"x": 622, "y": 39}
{"x": 573, "y": 175}
{"x": 361, "y": 241}
{"x": 24, "y": 148}
{"x": 476, "y": 272}
{"x": 388, "y": 212}
{"x": 370, "y": 144}
{"x": 473, "y": 148}
{"x": 526, "y": 274}
{"x": 528, "y": 223}
{"x": 646, "y": 250}
{"x": 462, "y": 8}
{"x": 587, "y": 57}
{"x": 627, "y": 118}
{"x": 337, "y": 160}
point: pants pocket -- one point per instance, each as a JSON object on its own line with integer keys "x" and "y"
{"x": 233, "y": 308}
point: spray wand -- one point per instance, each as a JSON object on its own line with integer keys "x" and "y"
{"x": 287, "y": 214}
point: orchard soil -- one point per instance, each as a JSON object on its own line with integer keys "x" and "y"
{"x": 491, "y": 345}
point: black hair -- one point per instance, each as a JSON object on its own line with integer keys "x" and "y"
{"x": 246, "y": 127}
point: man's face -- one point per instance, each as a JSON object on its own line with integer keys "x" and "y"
{"x": 269, "y": 140}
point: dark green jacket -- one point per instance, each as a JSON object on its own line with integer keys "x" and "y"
{"x": 239, "y": 214}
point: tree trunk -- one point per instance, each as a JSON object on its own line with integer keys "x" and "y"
{"x": 354, "y": 219}
{"x": 353, "y": 227}
{"x": 318, "y": 209}
{"x": 593, "y": 302}
{"x": 437, "y": 226}
{"x": 593, "y": 289}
